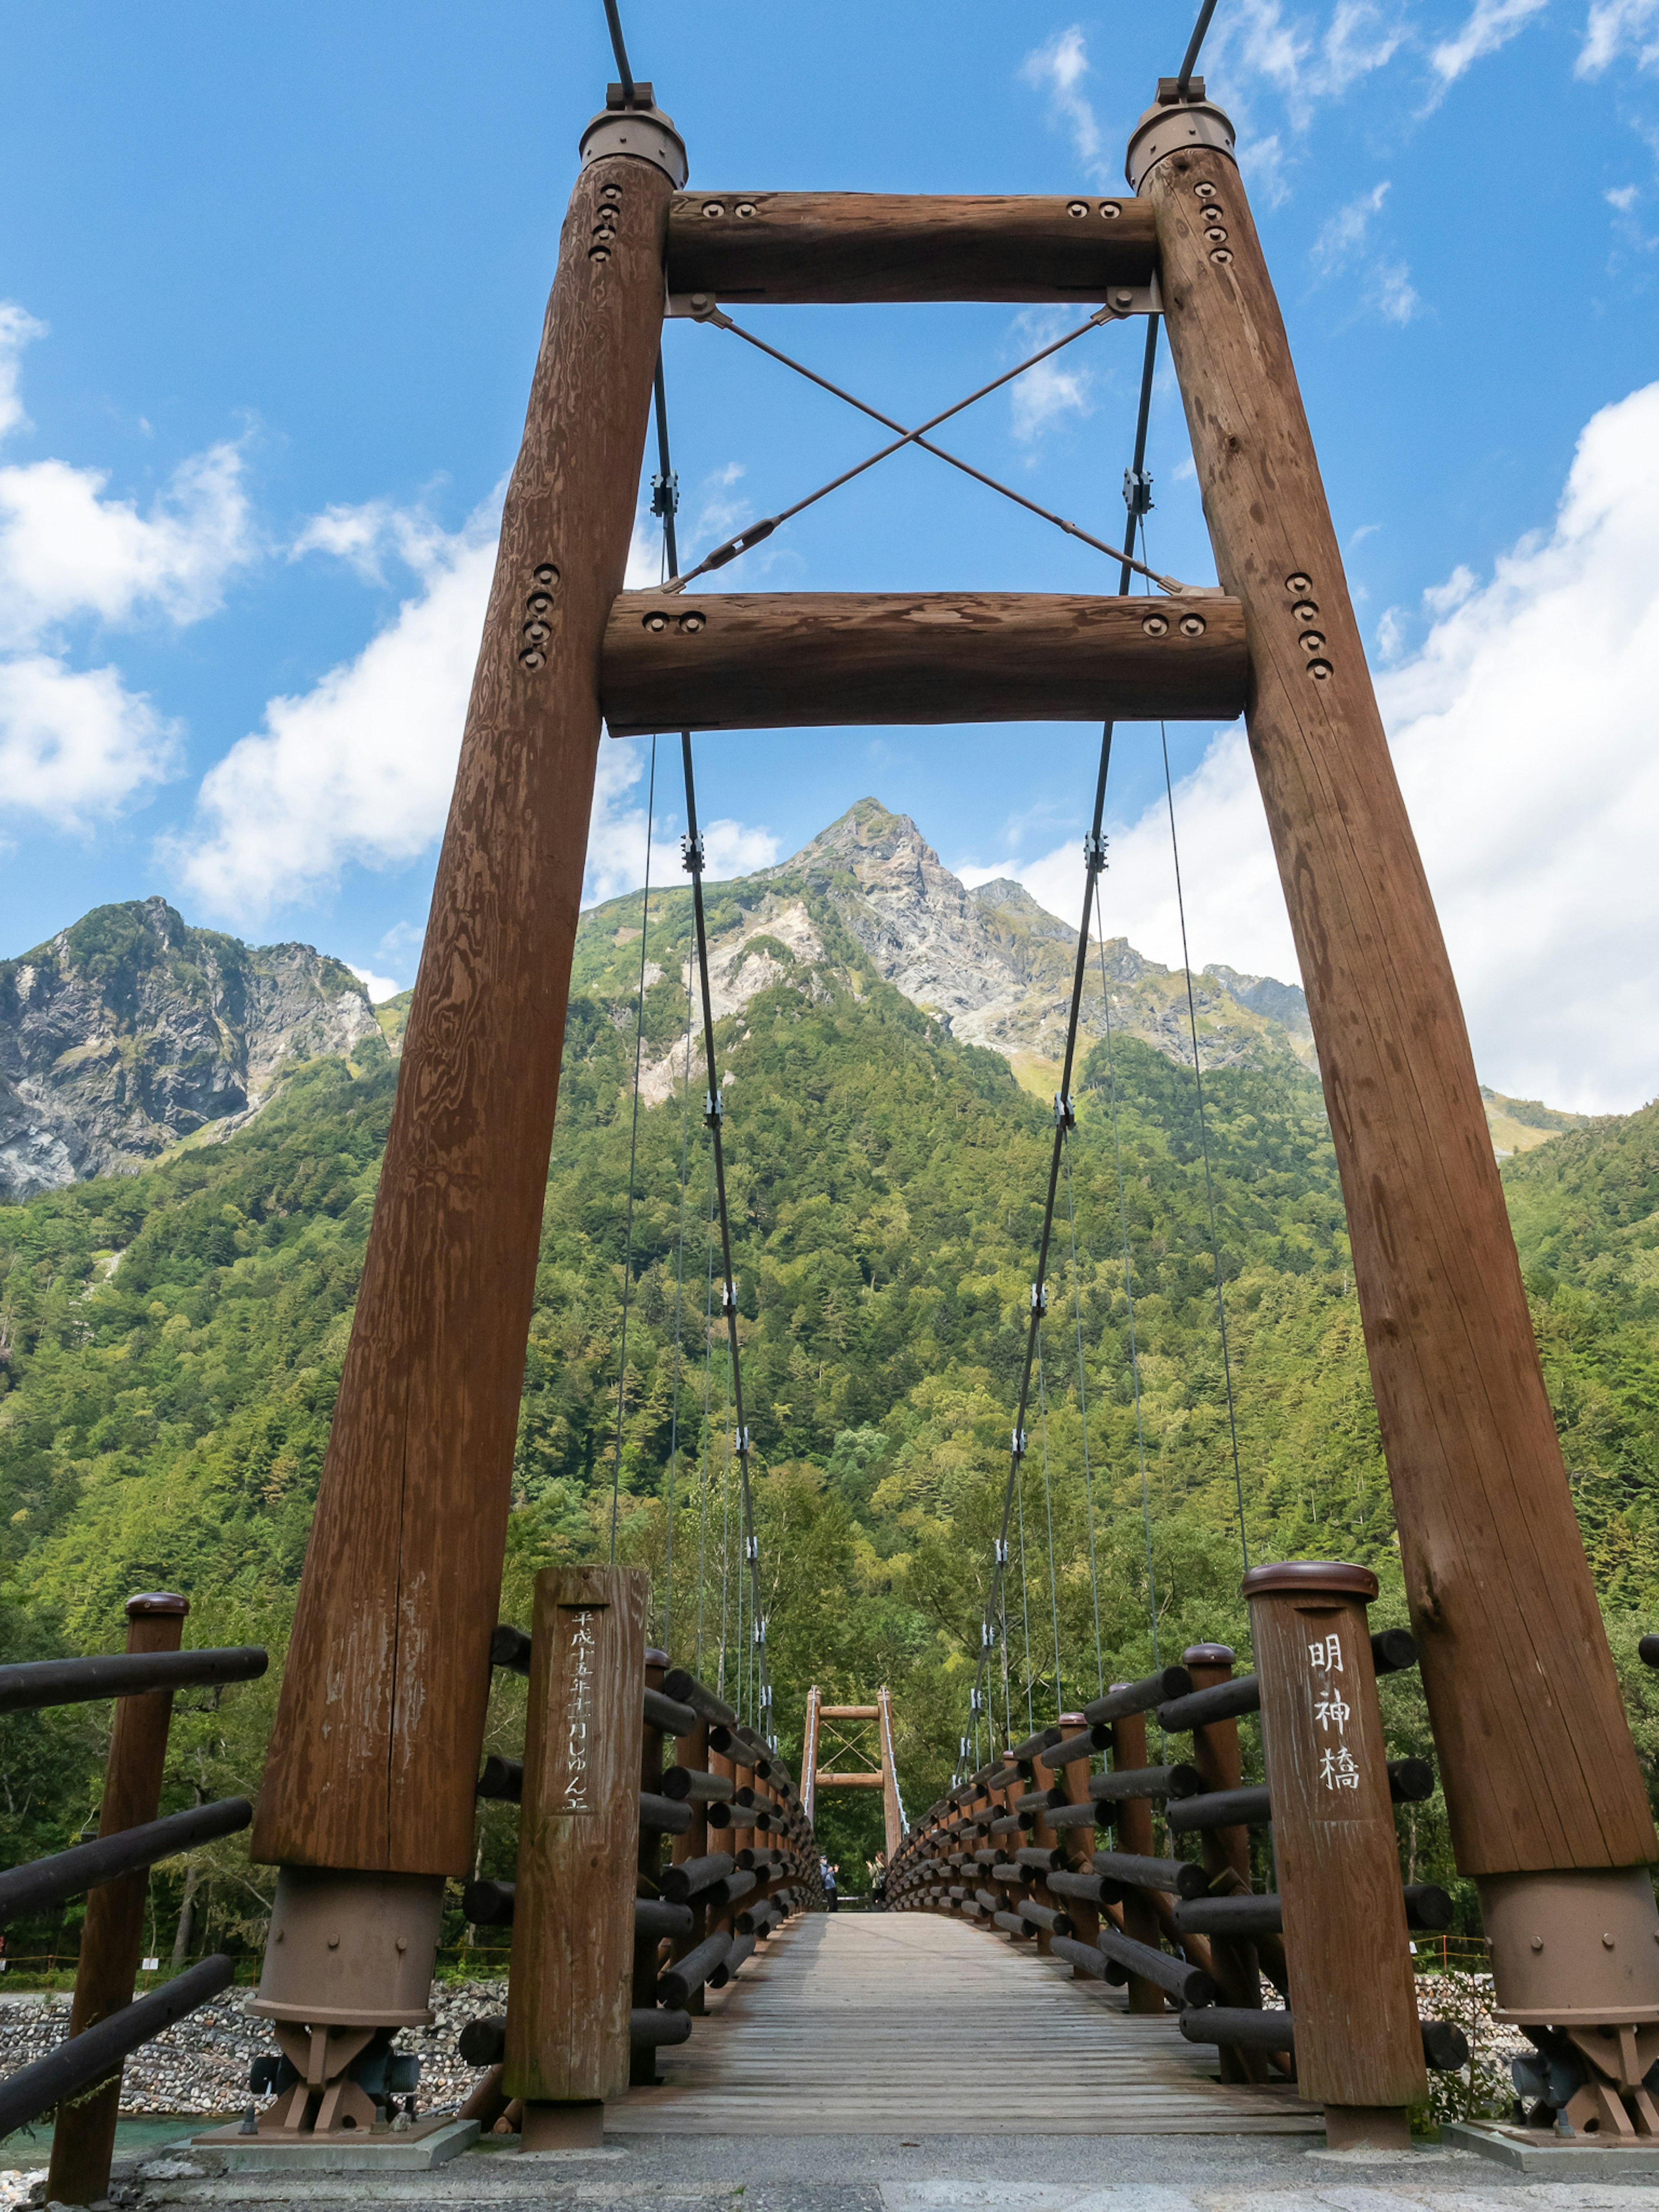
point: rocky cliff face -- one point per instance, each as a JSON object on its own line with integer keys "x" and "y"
{"x": 132, "y": 1031}
{"x": 996, "y": 968}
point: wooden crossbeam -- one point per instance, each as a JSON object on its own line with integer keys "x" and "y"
{"x": 848, "y": 1712}
{"x": 754, "y": 660}
{"x": 826, "y": 246}
{"x": 826, "y": 1780}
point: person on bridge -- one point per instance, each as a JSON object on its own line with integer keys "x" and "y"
{"x": 827, "y": 1876}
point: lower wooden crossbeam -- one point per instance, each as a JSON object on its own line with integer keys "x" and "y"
{"x": 781, "y": 660}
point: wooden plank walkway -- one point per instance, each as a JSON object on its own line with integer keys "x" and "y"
{"x": 904, "y": 2023}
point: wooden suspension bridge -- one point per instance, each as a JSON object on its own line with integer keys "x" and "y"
{"x": 668, "y": 1966}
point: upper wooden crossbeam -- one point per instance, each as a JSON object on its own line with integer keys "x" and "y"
{"x": 793, "y": 661}
{"x": 842, "y": 246}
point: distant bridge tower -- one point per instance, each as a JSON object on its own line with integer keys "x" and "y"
{"x": 846, "y": 1740}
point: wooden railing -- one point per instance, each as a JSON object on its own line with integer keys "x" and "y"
{"x": 81, "y": 2078}
{"x": 612, "y": 1950}
{"x": 1013, "y": 1849}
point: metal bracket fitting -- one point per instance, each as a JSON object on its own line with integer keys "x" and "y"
{"x": 1177, "y": 126}
{"x": 692, "y": 855}
{"x": 1094, "y": 854}
{"x": 642, "y": 130}
{"x": 1064, "y": 1112}
{"x": 697, "y": 308}
{"x": 1125, "y": 300}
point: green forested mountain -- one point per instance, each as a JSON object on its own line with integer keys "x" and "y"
{"x": 170, "y": 1345}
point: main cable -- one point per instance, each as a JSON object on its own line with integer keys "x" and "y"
{"x": 613, "y": 23}
{"x": 1190, "y": 60}
{"x": 665, "y": 499}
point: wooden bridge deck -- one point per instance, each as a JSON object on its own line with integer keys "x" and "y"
{"x": 902, "y": 2023}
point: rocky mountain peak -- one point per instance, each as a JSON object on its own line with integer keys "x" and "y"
{"x": 131, "y": 1031}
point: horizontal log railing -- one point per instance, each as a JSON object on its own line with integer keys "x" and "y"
{"x": 743, "y": 660}
{"x": 1012, "y": 1850}
{"x": 622, "y": 1750}
{"x": 81, "y": 2080}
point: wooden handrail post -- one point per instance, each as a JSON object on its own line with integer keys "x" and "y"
{"x": 1080, "y": 1842}
{"x": 381, "y": 1715}
{"x": 573, "y": 1924}
{"x": 693, "y": 1751}
{"x": 642, "y": 2062}
{"x": 1358, "y": 2048}
{"x": 1215, "y": 1754}
{"x": 1545, "y": 1798}
{"x": 113, "y": 1934}
{"x": 1134, "y": 1833}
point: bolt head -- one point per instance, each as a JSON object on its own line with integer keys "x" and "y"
{"x": 1537, "y": 1942}
{"x": 1607, "y": 1942}
{"x": 1077, "y": 207}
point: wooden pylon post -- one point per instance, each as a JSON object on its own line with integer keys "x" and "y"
{"x": 1546, "y": 1801}
{"x": 892, "y": 1811}
{"x": 380, "y": 1721}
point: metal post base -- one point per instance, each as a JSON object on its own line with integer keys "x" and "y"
{"x": 1577, "y": 1952}
{"x": 563, "y": 2127}
{"x": 348, "y": 1960}
{"x": 1368, "y": 2127}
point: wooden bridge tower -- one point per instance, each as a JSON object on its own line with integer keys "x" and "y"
{"x": 368, "y": 1800}
{"x": 845, "y": 1740}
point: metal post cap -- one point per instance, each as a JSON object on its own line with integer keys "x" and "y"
{"x": 143, "y": 1603}
{"x": 1175, "y": 126}
{"x": 644, "y": 132}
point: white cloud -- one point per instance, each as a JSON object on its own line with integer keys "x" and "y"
{"x": 1614, "y": 25}
{"x": 1392, "y": 292}
{"x": 76, "y": 744}
{"x": 358, "y": 770}
{"x": 359, "y": 767}
{"x": 1344, "y": 232}
{"x": 1058, "y": 69}
{"x": 1039, "y": 397}
{"x": 1521, "y": 731}
{"x": 1624, "y": 199}
{"x": 378, "y": 987}
{"x": 67, "y": 552}
{"x": 615, "y": 830}
{"x": 18, "y": 328}
{"x": 1491, "y": 24}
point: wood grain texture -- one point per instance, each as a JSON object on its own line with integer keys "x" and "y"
{"x": 1538, "y": 1764}
{"x": 886, "y": 245}
{"x": 749, "y": 661}
{"x": 569, "y": 1994}
{"x": 1345, "y": 1941}
{"x": 1216, "y": 1756}
{"x": 1134, "y": 1833}
{"x": 112, "y": 1933}
{"x": 893, "y": 2023}
{"x": 381, "y": 1716}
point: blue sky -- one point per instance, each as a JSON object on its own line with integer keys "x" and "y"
{"x": 274, "y": 281}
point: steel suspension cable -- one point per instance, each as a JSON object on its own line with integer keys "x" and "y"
{"x": 1129, "y": 1300}
{"x": 1049, "y": 1510}
{"x": 679, "y": 1333}
{"x": 1083, "y": 1408}
{"x": 613, "y": 23}
{"x": 664, "y": 501}
{"x": 707, "y": 1382}
{"x": 633, "y": 1156}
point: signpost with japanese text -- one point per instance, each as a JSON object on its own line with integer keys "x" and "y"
{"x": 572, "y": 1951}
{"x": 1359, "y": 2047}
